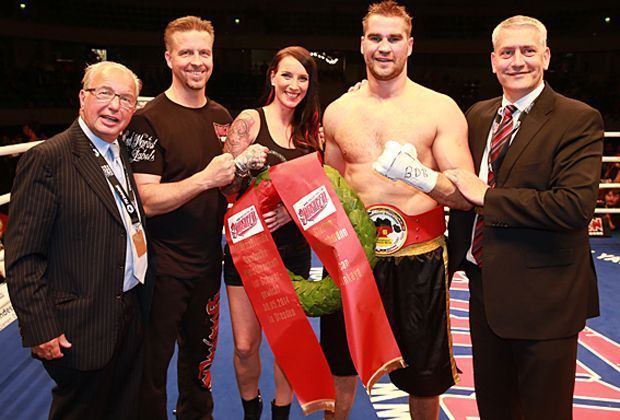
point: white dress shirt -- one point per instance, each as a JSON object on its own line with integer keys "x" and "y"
{"x": 135, "y": 267}
{"x": 523, "y": 104}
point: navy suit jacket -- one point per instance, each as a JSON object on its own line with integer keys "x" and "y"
{"x": 65, "y": 250}
{"x": 537, "y": 274}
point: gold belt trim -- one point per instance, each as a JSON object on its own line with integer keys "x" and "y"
{"x": 419, "y": 249}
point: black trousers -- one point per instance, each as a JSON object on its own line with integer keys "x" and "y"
{"x": 514, "y": 378}
{"x": 110, "y": 392}
{"x": 185, "y": 311}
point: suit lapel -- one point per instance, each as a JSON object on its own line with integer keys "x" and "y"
{"x": 86, "y": 164}
{"x": 484, "y": 121}
{"x": 533, "y": 122}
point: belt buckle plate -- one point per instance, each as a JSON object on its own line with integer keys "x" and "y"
{"x": 391, "y": 229}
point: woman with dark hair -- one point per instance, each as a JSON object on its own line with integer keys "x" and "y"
{"x": 288, "y": 125}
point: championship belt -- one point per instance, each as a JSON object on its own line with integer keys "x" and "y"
{"x": 396, "y": 230}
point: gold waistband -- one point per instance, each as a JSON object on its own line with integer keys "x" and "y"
{"x": 419, "y": 249}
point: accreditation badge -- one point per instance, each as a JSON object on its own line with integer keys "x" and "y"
{"x": 391, "y": 229}
{"x": 138, "y": 241}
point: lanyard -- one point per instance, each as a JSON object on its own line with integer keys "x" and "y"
{"x": 126, "y": 199}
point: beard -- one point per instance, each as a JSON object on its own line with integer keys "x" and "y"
{"x": 385, "y": 74}
{"x": 192, "y": 83}
{"x": 196, "y": 84}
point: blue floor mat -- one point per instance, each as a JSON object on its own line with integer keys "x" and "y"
{"x": 25, "y": 387}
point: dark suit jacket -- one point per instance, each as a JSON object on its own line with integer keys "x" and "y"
{"x": 538, "y": 275}
{"x": 65, "y": 250}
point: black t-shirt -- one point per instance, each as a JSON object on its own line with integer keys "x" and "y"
{"x": 174, "y": 142}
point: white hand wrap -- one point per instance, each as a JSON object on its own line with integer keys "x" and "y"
{"x": 400, "y": 162}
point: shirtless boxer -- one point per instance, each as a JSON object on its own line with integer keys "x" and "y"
{"x": 411, "y": 273}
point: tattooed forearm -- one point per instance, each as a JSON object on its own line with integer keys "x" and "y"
{"x": 239, "y": 134}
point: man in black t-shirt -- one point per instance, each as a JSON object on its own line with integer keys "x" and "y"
{"x": 175, "y": 144}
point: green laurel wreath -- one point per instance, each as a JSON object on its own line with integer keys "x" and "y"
{"x": 322, "y": 297}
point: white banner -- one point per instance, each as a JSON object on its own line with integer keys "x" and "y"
{"x": 7, "y": 314}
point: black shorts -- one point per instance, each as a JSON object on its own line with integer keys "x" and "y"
{"x": 414, "y": 291}
{"x": 296, "y": 258}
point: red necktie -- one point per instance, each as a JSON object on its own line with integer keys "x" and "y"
{"x": 501, "y": 136}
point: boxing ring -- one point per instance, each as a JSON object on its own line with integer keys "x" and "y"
{"x": 24, "y": 385}
{"x": 609, "y": 185}
{"x": 16, "y": 149}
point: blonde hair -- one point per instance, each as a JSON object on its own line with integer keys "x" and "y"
{"x": 387, "y": 8}
{"x": 186, "y": 24}
{"x": 94, "y": 69}
{"x": 520, "y": 20}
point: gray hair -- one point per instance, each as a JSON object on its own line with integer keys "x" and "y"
{"x": 103, "y": 66}
{"x": 521, "y": 20}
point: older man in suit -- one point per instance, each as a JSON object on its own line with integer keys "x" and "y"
{"x": 76, "y": 254}
{"x": 526, "y": 249}
{"x": 525, "y": 245}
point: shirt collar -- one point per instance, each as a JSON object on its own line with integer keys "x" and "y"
{"x": 526, "y": 101}
{"x": 102, "y": 146}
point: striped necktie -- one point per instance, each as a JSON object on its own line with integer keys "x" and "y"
{"x": 499, "y": 142}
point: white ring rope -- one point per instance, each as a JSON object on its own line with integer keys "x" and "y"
{"x": 14, "y": 149}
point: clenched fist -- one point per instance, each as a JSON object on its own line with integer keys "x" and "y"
{"x": 220, "y": 171}
{"x": 254, "y": 157}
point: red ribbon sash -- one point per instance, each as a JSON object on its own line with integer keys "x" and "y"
{"x": 313, "y": 203}
{"x": 275, "y": 302}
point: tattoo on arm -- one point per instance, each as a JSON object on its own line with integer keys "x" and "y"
{"x": 239, "y": 134}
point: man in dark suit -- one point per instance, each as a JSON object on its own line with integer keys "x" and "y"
{"x": 532, "y": 279}
{"x": 76, "y": 254}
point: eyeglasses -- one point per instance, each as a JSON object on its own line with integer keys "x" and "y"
{"x": 103, "y": 94}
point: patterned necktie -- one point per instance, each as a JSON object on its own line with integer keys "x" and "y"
{"x": 499, "y": 140}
